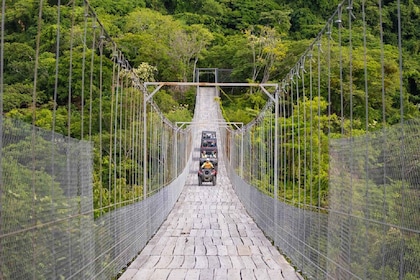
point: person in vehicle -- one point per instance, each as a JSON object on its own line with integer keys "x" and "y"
{"x": 207, "y": 164}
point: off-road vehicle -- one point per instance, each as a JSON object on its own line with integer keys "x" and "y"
{"x": 207, "y": 174}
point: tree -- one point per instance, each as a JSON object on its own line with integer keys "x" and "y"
{"x": 186, "y": 47}
{"x": 266, "y": 48}
{"x": 165, "y": 43}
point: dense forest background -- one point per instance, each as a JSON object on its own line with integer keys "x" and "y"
{"x": 256, "y": 40}
{"x": 166, "y": 40}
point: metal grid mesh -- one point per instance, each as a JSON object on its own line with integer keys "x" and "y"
{"x": 47, "y": 226}
{"x": 371, "y": 229}
{"x": 373, "y": 220}
{"x": 121, "y": 234}
{"x": 330, "y": 170}
{"x": 83, "y": 209}
{"x": 46, "y": 204}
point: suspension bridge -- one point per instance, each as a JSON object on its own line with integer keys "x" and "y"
{"x": 99, "y": 184}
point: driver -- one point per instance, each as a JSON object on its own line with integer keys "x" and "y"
{"x": 207, "y": 164}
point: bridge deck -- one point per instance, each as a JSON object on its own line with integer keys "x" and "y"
{"x": 208, "y": 234}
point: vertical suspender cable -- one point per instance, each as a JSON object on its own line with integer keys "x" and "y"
{"x": 33, "y": 140}
{"x": 111, "y": 127}
{"x": 352, "y": 160}
{"x": 402, "y": 135}
{"x": 130, "y": 122}
{"x": 329, "y": 34}
{"x": 319, "y": 51}
{"x": 69, "y": 123}
{"x": 100, "y": 184}
{"x": 139, "y": 139}
{"x": 86, "y": 15}
{"x": 120, "y": 176}
{"x": 311, "y": 132}
{"x": 366, "y": 89}
{"x": 284, "y": 154}
{"x": 384, "y": 144}
{"x": 57, "y": 59}
{"x": 116, "y": 126}
{"x": 292, "y": 128}
{"x": 92, "y": 68}
{"x": 3, "y": 11}
{"x": 305, "y": 160}
{"x": 150, "y": 151}
{"x": 299, "y": 105}
{"x": 340, "y": 46}
{"x": 339, "y": 26}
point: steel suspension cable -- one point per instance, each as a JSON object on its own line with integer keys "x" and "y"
{"x": 112, "y": 125}
{"x": 292, "y": 129}
{"x": 351, "y": 133}
{"x": 92, "y": 68}
{"x": 3, "y": 10}
{"x": 129, "y": 123}
{"x": 340, "y": 46}
{"x": 319, "y": 204}
{"x": 139, "y": 140}
{"x": 82, "y": 91}
{"x": 402, "y": 135}
{"x": 305, "y": 130}
{"x": 311, "y": 129}
{"x": 299, "y": 103}
{"x": 33, "y": 141}
{"x": 271, "y": 150}
{"x": 366, "y": 93}
{"x": 53, "y": 128}
{"x": 116, "y": 145}
{"x": 100, "y": 183}
{"x": 120, "y": 129}
{"x": 305, "y": 163}
{"x": 384, "y": 142}
{"x": 330, "y": 26}
{"x": 285, "y": 141}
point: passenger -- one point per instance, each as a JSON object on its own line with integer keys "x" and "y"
{"x": 207, "y": 164}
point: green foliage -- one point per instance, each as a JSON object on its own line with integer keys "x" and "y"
{"x": 17, "y": 96}
{"x": 165, "y": 101}
{"x": 18, "y": 62}
{"x": 242, "y": 108}
{"x": 145, "y": 72}
{"x": 121, "y": 7}
{"x": 305, "y": 24}
{"x": 176, "y": 102}
{"x": 22, "y": 208}
{"x": 167, "y": 40}
{"x": 34, "y": 193}
{"x": 303, "y": 141}
{"x": 179, "y": 114}
{"x": 163, "y": 41}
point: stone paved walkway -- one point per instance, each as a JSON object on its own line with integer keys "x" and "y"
{"x": 209, "y": 235}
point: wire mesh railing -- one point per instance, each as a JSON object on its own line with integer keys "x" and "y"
{"x": 90, "y": 167}
{"x": 345, "y": 200}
